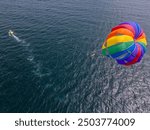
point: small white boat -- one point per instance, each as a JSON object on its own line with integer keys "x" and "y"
{"x": 10, "y": 33}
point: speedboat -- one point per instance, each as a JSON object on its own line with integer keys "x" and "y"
{"x": 10, "y": 33}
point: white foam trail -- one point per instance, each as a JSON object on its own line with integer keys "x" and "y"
{"x": 16, "y": 38}
{"x": 30, "y": 57}
{"x": 37, "y": 66}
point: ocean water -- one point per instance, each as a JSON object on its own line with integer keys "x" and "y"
{"x": 56, "y": 65}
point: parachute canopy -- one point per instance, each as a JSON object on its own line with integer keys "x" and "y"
{"x": 126, "y": 43}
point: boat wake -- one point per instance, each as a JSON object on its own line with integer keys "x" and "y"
{"x": 30, "y": 55}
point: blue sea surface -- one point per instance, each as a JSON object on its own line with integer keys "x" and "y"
{"x": 57, "y": 65}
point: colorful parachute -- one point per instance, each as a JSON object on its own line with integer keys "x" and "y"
{"x": 126, "y": 43}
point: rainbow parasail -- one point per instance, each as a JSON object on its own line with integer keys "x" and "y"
{"x": 126, "y": 43}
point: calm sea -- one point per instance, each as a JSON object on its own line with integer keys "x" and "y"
{"x": 57, "y": 65}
